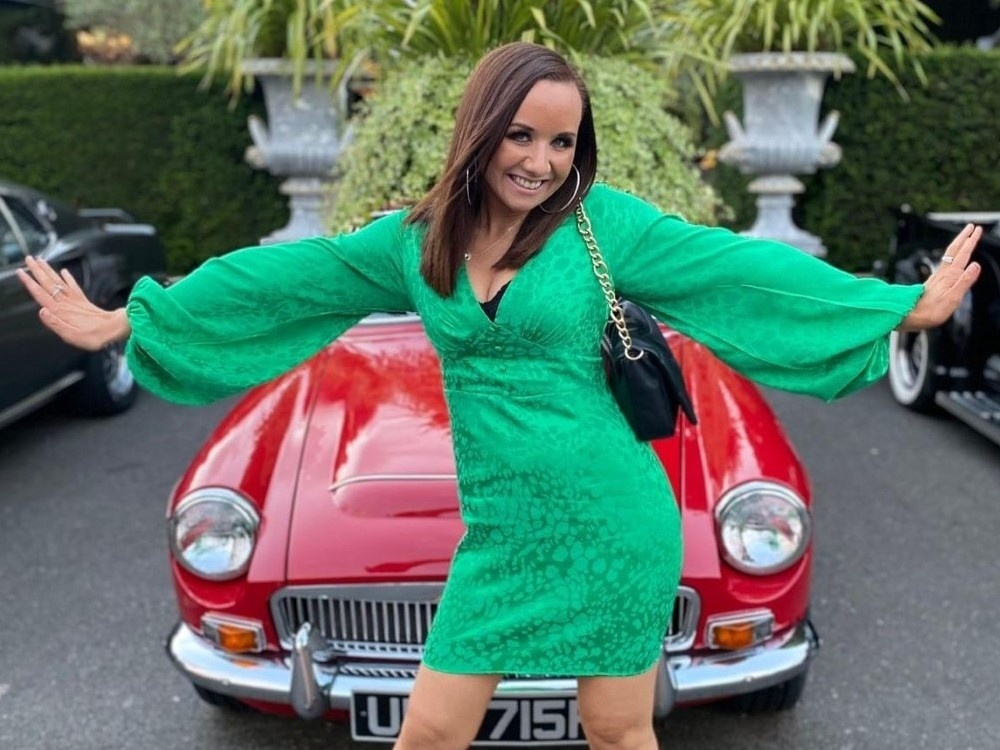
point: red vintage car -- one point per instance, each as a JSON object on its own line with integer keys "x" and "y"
{"x": 312, "y": 535}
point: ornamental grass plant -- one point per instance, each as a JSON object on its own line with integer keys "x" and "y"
{"x": 350, "y": 31}
{"x": 300, "y": 31}
{"x": 456, "y": 28}
{"x": 888, "y": 36}
{"x": 689, "y": 41}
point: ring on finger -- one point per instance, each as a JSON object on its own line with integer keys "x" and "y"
{"x": 57, "y": 291}
{"x": 947, "y": 259}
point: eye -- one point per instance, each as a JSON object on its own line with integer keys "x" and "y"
{"x": 519, "y": 136}
{"x": 563, "y": 142}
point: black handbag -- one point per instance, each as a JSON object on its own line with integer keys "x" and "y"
{"x": 642, "y": 372}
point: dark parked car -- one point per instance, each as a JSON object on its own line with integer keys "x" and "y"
{"x": 955, "y": 368}
{"x": 107, "y": 252}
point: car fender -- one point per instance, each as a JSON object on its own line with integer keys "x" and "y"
{"x": 738, "y": 439}
{"x": 256, "y": 451}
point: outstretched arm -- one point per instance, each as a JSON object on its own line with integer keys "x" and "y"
{"x": 240, "y": 319}
{"x": 774, "y": 313}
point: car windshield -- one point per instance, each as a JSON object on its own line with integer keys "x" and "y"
{"x": 11, "y": 250}
{"x": 33, "y": 233}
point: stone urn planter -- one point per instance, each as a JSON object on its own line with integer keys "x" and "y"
{"x": 781, "y": 136}
{"x": 302, "y": 141}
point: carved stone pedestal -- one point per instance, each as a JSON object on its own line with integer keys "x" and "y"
{"x": 781, "y": 136}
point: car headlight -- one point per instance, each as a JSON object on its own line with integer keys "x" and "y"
{"x": 213, "y": 532}
{"x": 763, "y": 528}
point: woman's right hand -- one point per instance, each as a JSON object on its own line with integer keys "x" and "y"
{"x": 66, "y": 310}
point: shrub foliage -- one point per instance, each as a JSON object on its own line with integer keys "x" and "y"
{"x": 153, "y": 25}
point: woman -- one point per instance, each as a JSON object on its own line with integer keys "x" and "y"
{"x": 573, "y": 549}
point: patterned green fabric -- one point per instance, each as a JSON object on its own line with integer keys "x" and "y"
{"x": 572, "y": 552}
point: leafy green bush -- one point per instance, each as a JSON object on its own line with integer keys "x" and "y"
{"x": 402, "y": 141}
{"x": 145, "y": 140}
{"x": 937, "y": 152}
{"x": 153, "y": 25}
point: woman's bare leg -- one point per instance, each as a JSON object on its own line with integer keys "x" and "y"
{"x": 617, "y": 712}
{"x": 445, "y": 710}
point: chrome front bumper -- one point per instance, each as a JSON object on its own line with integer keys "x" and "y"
{"x": 313, "y": 688}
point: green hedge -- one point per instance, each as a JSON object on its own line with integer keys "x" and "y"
{"x": 143, "y": 139}
{"x": 938, "y": 151}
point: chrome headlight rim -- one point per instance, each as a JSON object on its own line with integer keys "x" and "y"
{"x": 217, "y": 495}
{"x": 741, "y": 493}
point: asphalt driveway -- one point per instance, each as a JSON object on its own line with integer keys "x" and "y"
{"x": 906, "y": 592}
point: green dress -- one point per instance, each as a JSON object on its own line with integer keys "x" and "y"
{"x": 572, "y": 551}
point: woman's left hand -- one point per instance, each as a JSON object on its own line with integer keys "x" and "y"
{"x": 944, "y": 290}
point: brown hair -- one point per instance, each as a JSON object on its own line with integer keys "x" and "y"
{"x": 494, "y": 93}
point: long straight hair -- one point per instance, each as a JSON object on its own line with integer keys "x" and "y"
{"x": 451, "y": 209}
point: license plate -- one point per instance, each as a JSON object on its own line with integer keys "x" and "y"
{"x": 530, "y": 719}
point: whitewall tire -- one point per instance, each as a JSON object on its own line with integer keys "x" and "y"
{"x": 912, "y": 369}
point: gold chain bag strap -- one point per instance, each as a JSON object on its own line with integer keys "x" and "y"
{"x": 643, "y": 374}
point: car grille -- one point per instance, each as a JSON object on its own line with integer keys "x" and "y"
{"x": 392, "y": 620}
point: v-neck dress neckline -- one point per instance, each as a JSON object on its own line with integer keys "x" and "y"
{"x": 504, "y": 291}
{"x": 493, "y": 317}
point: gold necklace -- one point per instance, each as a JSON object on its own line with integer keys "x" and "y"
{"x": 468, "y": 256}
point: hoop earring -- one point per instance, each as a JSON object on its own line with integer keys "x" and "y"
{"x": 571, "y": 198}
{"x": 468, "y": 190}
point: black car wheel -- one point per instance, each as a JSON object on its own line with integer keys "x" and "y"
{"x": 108, "y": 386}
{"x": 775, "y": 698}
{"x": 912, "y": 364}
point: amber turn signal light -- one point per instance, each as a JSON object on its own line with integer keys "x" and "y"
{"x": 739, "y": 631}
{"x": 235, "y": 635}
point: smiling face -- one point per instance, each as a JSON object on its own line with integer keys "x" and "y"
{"x": 536, "y": 154}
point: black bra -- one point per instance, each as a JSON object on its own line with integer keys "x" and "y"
{"x": 490, "y": 306}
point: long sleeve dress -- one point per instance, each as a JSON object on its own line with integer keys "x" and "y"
{"x": 572, "y": 551}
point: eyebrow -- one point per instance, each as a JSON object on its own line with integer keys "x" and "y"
{"x": 530, "y": 129}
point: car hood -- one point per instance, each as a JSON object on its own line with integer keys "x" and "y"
{"x": 376, "y": 495}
